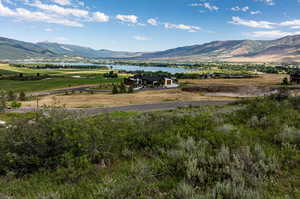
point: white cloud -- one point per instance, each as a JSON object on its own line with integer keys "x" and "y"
{"x": 269, "y": 2}
{"x": 243, "y": 9}
{"x": 99, "y": 17}
{"x": 23, "y": 14}
{"x": 141, "y": 38}
{"x": 256, "y": 12}
{"x": 62, "y": 2}
{"x": 272, "y": 34}
{"x": 182, "y": 27}
{"x": 252, "y": 23}
{"x": 49, "y": 30}
{"x": 59, "y": 10}
{"x": 152, "y": 22}
{"x": 295, "y": 27}
{"x": 127, "y": 18}
{"x": 291, "y": 23}
{"x": 205, "y": 5}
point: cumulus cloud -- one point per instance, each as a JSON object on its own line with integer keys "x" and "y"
{"x": 152, "y": 22}
{"x": 256, "y": 12}
{"x": 206, "y": 5}
{"x": 243, "y": 9}
{"x": 27, "y": 15}
{"x": 59, "y": 10}
{"x": 54, "y": 14}
{"x": 252, "y": 23}
{"x": 62, "y": 2}
{"x": 268, "y": 2}
{"x": 182, "y": 27}
{"x": 99, "y": 17}
{"x": 127, "y": 18}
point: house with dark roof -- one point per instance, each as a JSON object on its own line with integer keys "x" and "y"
{"x": 295, "y": 78}
{"x": 151, "y": 81}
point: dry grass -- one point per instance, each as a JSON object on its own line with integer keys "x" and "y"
{"x": 262, "y": 80}
{"x": 109, "y": 100}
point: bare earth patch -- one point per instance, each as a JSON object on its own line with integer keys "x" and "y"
{"x": 262, "y": 80}
{"x": 109, "y": 100}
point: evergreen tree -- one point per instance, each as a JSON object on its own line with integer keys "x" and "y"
{"x": 11, "y": 96}
{"x": 122, "y": 88}
{"x": 115, "y": 89}
{"x": 130, "y": 89}
{"x": 2, "y": 101}
{"x": 22, "y": 96}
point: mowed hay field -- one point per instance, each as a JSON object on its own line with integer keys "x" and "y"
{"x": 109, "y": 100}
{"x": 261, "y": 80}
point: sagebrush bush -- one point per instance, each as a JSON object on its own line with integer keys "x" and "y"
{"x": 248, "y": 150}
{"x": 225, "y": 173}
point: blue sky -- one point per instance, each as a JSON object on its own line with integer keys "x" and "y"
{"x": 147, "y": 25}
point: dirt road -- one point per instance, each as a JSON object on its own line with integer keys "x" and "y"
{"x": 138, "y": 108}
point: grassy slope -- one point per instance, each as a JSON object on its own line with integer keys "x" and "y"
{"x": 142, "y": 171}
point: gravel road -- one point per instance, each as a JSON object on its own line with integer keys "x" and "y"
{"x": 139, "y": 108}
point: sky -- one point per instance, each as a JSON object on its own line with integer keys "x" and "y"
{"x": 147, "y": 25}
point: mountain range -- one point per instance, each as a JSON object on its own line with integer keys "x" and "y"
{"x": 286, "y": 49}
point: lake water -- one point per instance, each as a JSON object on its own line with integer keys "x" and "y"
{"x": 120, "y": 67}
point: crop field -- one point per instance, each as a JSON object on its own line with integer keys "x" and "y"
{"x": 58, "y": 78}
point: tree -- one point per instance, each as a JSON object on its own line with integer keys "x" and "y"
{"x": 11, "y": 96}
{"x": 122, "y": 88}
{"x": 130, "y": 89}
{"x": 115, "y": 89}
{"x": 22, "y": 96}
{"x": 2, "y": 101}
{"x": 285, "y": 81}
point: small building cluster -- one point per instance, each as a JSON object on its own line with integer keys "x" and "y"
{"x": 295, "y": 78}
{"x": 140, "y": 81}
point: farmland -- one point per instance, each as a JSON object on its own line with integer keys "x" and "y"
{"x": 56, "y": 78}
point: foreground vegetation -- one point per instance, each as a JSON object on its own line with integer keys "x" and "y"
{"x": 242, "y": 151}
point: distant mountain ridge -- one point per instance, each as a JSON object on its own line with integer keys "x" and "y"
{"x": 286, "y": 49}
{"x": 283, "y": 49}
{"x": 14, "y": 49}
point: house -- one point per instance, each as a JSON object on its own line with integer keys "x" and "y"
{"x": 151, "y": 81}
{"x": 295, "y": 78}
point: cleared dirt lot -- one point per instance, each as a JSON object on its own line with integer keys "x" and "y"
{"x": 261, "y": 80}
{"x": 109, "y": 100}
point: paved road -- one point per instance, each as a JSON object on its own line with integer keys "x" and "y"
{"x": 139, "y": 108}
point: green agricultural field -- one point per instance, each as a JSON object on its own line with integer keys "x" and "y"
{"x": 48, "y": 84}
{"x": 57, "y": 78}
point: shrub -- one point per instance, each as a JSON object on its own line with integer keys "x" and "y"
{"x": 15, "y": 104}
{"x": 115, "y": 89}
{"x": 285, "y": 81}
{"x": 130, "y": 89}
{"x": 122, "y": 88}
{"x": 224, "y": 173}
{"x": 11, "y": 96}
{"x": 22, "y": 96}
{"x": 3, "y": 99}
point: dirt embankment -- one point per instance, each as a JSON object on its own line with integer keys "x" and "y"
{"x": 231, "y": 91}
